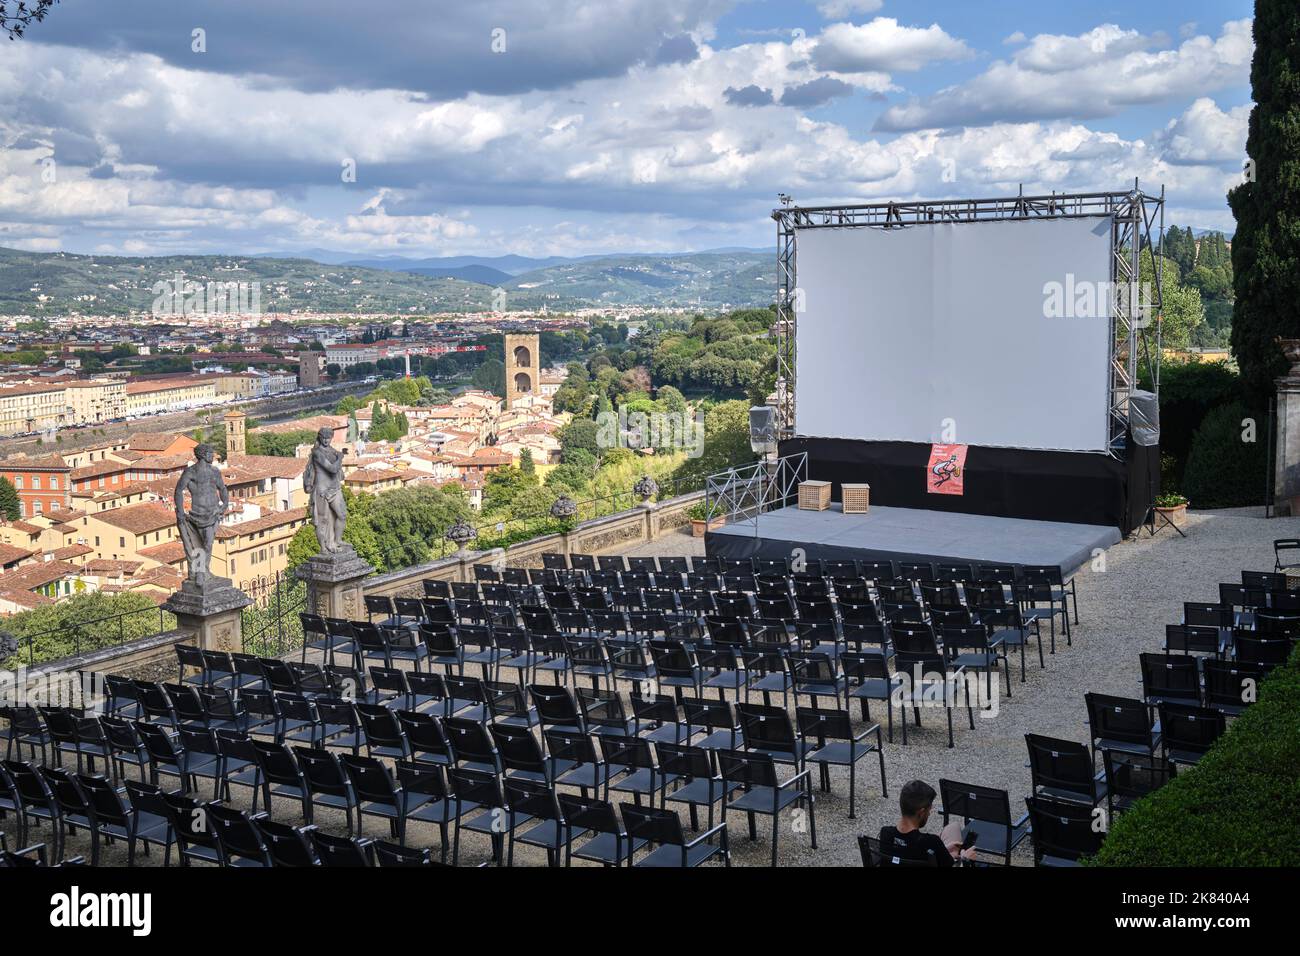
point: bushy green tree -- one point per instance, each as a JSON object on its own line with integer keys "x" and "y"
{"x": 1266, "y": 247}
{"x": 1224, "y": 469}
{"x": 9, "y": 504}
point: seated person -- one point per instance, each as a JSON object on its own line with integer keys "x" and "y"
{"x": 907, "y": 842}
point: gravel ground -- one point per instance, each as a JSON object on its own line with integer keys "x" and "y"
{"x": 1122, "y": 610}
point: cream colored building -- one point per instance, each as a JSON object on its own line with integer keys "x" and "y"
{"x": 168, "y": 395}
{"x": 94, "y": 401}
{"x": 32, "y": 407}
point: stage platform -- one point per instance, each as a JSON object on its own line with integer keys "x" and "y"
{"x": 909, "y": 534}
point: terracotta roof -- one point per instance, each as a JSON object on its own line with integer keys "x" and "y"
{"x": 28, "y": 599}
{"x": 71, "y": 551}
{"x": 488, "y": 456}
{"x": 36, "y": 575}
{"x": 10, "y": 553}
{"x": 154, "y": 441}
{"x": 26, "y": 527}
{"x": 21, "y": 462}
{"x": 369, "y": 476}
{"x": 139, "y": 519}
{"x": 165, "y": 577}
{"x": 97, "y": 469}
{"x": 169, "y": 552}
{"x": 270, "y": 519}
{"x": 248, "y": 467}
{"x": 108, "y": 566}
{"x": 312, "y": 424}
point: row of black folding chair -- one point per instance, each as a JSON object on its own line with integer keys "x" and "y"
{"x": 1064, "y": 771}
{"x": 1181, "y": 732}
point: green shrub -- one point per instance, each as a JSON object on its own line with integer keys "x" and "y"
{"x": 1239, "y": 806}
{"x": 1223, "y": 470}
{"x": 1188, "y": 391}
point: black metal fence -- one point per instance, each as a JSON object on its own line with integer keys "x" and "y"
{"x": 70, "y": 638}
{"x": 271, "y": 625}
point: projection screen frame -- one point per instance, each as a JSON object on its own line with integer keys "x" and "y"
{"x": 1137, "y": 219}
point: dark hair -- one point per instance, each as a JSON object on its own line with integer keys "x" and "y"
{"x": 915, "y": 796}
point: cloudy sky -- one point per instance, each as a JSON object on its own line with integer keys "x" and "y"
{"x": 568, "y": 127}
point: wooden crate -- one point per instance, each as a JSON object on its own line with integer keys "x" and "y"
{"x": 814, "y": 495}
{"x": 857, "y": 498}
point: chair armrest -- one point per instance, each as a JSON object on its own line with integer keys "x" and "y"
{"x": 1021, "y": 822}
{"x": 720, "y": 828}
{"x": 797, "y": 777}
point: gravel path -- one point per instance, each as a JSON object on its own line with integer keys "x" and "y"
{"x": 1122, "y": 610}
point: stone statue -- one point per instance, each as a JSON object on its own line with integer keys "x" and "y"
{"x": 209, "y": 500}
{"x": 323, "y": 481}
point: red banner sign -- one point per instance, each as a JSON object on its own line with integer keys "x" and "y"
{"x": 946, "y": 472}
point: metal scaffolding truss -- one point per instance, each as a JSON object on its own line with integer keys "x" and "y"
{"x": 1137, "y": 221}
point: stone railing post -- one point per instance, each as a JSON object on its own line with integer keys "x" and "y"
{"x": 1286, "y": 459}
{"x": 211, "y": 613}
{"x": 334, "y": 583}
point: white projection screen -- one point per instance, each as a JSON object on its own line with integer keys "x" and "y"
{"x": 904, "y": 328}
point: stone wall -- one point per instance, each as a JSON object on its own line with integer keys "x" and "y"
{"x": 150, "y": 658}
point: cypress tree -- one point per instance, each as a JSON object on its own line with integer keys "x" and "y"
{"x": 1266, "y": 247}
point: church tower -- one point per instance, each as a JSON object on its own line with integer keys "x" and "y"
{"x": 236, "y": 442}
{"x": 522, "y": 365}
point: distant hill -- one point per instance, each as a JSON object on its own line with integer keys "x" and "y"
{"x": 510, "y": 265}
{"x": 484, "y": 275}
{"x": 38, "y": 284}
{"x": 704, "y": 279}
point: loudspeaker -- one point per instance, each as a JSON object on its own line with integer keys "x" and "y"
{"x": 762, "y": 429}
{"x": 1144, "y": 417}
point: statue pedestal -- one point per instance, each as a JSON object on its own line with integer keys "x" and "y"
{"x": 334, "y": 583}
{"x": 1286, "y": 459}
{"x": 211, "y": 612}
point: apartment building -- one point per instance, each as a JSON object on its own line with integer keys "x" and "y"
{"x": 43, "y": 483}
{"x": 94, "y": 401}
{"x": 32, "y": 406}
{"x": 347, "y": 354}
{"x": 155, "y": 396}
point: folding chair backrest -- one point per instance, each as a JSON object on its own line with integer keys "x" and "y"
{"x": 1062, "y": 829}
{"x": 973, "y": 802}
{"x": 662, "y": 827}
{"x": 1060, "y": 764}
{"x": 1118, "y": 718}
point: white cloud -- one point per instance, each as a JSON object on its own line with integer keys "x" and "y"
{"x": 1206, "y": 135}
{"x": 884, "y": 46}
{"x": 1092, "y": 75}
{"x": 657, "y": 159}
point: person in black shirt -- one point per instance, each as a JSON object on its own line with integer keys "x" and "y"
{"x": 907, "y": 842}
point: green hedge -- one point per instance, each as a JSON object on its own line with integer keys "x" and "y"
{"x": 1239, "y": 806}
{"x": 1223, "y": 470}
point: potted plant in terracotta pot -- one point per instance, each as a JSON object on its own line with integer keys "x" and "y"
{"x": 699, "y": 515}
{"x": 1173, "y": 506}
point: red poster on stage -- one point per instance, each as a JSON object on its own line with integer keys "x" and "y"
{"x": 946, "y": 473}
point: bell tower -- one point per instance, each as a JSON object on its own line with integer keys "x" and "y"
{"x": 236, "y": 441}
{"x": 522, "y": 364}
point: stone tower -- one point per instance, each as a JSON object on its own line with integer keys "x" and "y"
{"x": 236, "y": 441}
{"x": 522, "y": 365}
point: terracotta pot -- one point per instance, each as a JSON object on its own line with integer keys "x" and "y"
{"x": 1176, "y": 514}
{"x": 698, "y": 526}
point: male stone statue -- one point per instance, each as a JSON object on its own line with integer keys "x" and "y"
{"x": 323, "y": 481}
{"x": 209, "y": 500}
